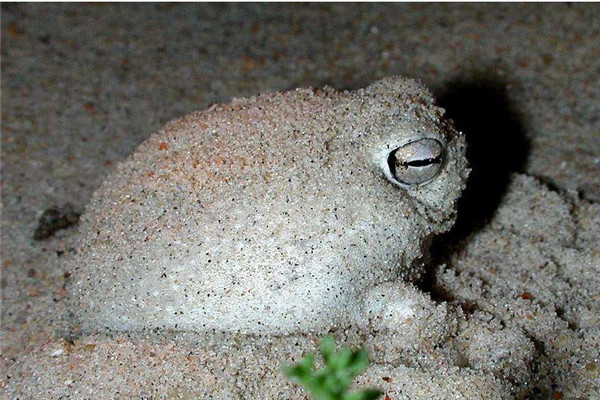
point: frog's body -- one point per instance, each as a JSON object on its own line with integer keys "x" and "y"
{"x": 273, "y": 214}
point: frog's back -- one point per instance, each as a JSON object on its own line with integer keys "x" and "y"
{"x": 193, "y": 213}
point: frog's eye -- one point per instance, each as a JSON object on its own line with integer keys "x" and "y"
{"x": 416, "y": 162}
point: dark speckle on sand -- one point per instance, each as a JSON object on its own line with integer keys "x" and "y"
{"x": 53, "y": 220}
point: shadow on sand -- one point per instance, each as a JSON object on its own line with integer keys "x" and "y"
{"x": 497, "y": 147}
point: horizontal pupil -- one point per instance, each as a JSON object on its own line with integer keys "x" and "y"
{"x": 422, "y": 163}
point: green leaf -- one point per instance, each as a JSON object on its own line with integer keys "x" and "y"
{"x": 302, "y": 370}
{"x": 359, "y": 362}
{"x": 369, "y": 394}
{"x": 327, "y": 348}
{"x": 342, "y": 359}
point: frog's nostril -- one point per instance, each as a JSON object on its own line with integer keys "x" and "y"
{"x": 416, "y": 162}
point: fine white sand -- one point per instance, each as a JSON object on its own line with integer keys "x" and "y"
{"x": 517, "y": 288}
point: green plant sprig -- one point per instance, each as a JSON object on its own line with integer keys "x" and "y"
{"x": 334, "y": 379}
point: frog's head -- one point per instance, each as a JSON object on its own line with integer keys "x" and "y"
{"x": 414, "y": 152}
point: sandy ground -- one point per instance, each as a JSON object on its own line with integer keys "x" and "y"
{"x": 83, "y": 85}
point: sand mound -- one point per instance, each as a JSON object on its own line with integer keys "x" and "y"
{"x": 521, "y": 320}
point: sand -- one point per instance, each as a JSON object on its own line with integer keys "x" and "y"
{"x": 82, "y": 86}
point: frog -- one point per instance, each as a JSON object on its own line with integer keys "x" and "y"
{"x": 284, "y": 212}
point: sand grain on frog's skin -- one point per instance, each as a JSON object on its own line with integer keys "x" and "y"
{"x": 269, "y": 214}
